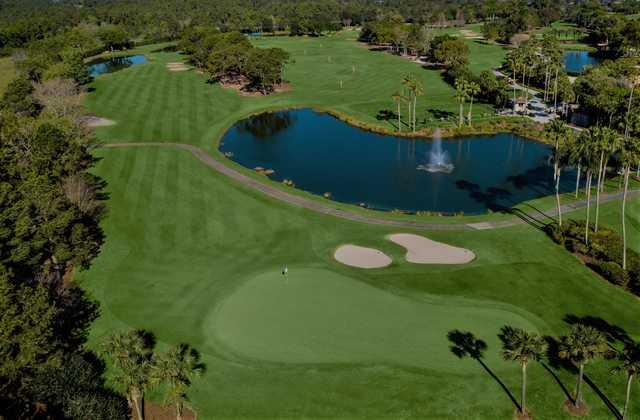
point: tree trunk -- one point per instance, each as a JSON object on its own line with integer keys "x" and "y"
{"x": 625, "y": 411}
{"x": 415, "y": 100}
{"x": 523, "y": 407}
{"x": 555, "y": 91}
{"x": 178, "y": 411}
{"x": 137, "y": 401}
{"x": 399, "y": 119}
{"x": 557, "y": 170}
{"x": 626, "y": 125}
{"x": 579, "y": 386}
{"x": 461, "y": 111}
{"x": 514, "y": 89}
{"x": 470, "y": 108}
{"x": 595, "y": 229}
{"x": 627, "y": 169}
{"x": 586, "y": 231}
{"x": 578, "y": 180}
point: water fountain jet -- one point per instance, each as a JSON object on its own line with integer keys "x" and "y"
{"x": 439, "y": 160}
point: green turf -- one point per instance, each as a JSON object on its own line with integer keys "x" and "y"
{"x": 194, "y": 257}
{"x": 318, "y": 316}
{"x": 183, "y": 242}
{"x": 151, "y": 103}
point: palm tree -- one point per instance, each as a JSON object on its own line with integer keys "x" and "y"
{"x": 560, "y": 135}
{"x": 397, "y": 98}
{"x": 629, "y": 364}
{"x": 131, "y": 354}
{"x": 521, "y": 346}
{"x": 629, "y": 155}
{"x": 582, "y": 345}
{"x": 418, "y": 90}
{"x": 472, "y": 90}
{"x": 589, "y": 140}
{"x": 461, "y": 96}
{"x": 608, "y": 141}
{"x": 177, "y": 368}
{"x": 409, "y": 84}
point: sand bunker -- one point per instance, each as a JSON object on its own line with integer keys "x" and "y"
{"x": 177, "y": 66}
{"x": 421, "y": 250}
{"x": 470, "y": 34}
{"x": 92, "y": 121}
{"x": 361, "y": 257}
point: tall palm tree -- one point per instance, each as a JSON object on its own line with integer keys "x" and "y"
{"x": 472, "y": 90}
{"x": 418, "y": 90}
{"x": 629, "y": 155}
{"x": 608, "y": 142}
{"x": 461, "y": 96}
{"x": 628, "y": 364}
{"x": 177, "y": 368}
{"x": 131, "y": 354}
{"x": 582, "y": 345}
{"x": 397, "y": 98}
{"x": 561, "y": 136}
{"x": 587, "y": 152}
{"x": 409, "y": 84}
{"x": 521, "y": 346}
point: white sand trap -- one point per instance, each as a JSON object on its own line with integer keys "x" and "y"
{"x": 177, "y": 67}
{"x": 93, "y": 121}
{"x": 361, "y": 257}
{"x": 421, "y": 250}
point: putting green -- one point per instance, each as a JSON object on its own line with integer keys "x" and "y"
{"x": 318, "y": 316}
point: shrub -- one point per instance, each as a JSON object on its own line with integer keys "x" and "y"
{"x": 556, "y": 233}
{"x": 613, "y": 272}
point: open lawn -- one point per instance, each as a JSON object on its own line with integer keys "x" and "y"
{"x": 7, "y": 73}
{"x": 195, "y": 257}
{"x": 151, "y": 103}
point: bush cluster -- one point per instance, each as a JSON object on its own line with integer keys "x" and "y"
{"x": 603, "y": 252}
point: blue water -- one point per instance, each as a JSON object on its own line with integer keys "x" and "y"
{"x": 320, "y": 154}
{"x": 109, "y": 65}
{"x": 578, "y": 61}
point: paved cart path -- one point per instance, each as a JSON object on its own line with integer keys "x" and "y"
{"x": 532, "y": 216}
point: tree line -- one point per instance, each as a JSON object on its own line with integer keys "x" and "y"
{"x": 51, "y": 206}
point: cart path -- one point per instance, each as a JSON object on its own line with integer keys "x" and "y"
{"x": 531, "y": 216}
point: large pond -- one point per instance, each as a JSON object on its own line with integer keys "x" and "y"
{"x": 109, "y": 65}
{"x": 577, "y": 61}
{"x": 322, "y": 154}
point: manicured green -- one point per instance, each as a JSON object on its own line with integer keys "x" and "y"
{"x": 195, "y": 257}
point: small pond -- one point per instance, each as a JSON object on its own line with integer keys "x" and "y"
{"x": 109, "y": 65}
{"x": 577, "y": 61}
{"x": 321, "y": 154}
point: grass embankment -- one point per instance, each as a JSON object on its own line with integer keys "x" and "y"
{"x": 196, "y": 258}
{"x": 7, "y": 73}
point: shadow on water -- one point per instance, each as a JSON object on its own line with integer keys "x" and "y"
{"x": 266, "y": 125}
{"x": 465, "y": 344}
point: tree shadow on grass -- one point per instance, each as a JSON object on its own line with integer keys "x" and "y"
{"x": 613, "y": 334}
{"x": 465, "y": 344}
